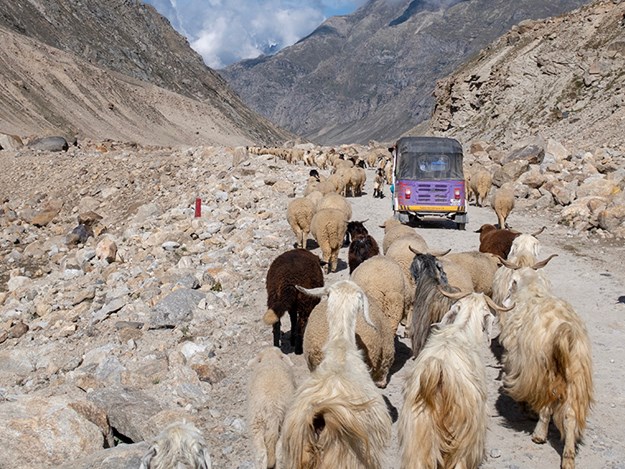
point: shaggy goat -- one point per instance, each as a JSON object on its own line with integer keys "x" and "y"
{"x": 180, "y": 445}
{"x": 270, "y": 392}
{"x": 444, "y": 418}
{"x": 523, "y": 253}
{"x": 547, "y": 359}
{"x": 430, "y": 305}
{"x": 338, "y": 417}
{"x": 294, "y": 267}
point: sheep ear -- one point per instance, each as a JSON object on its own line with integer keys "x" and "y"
{"x": 318, "y": 292}
{"x": 147, "y": 458}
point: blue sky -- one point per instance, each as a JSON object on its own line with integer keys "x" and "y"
{"x": 226, "y": 31}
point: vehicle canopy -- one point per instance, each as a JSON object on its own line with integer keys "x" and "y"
{"x": 428, "y": 158}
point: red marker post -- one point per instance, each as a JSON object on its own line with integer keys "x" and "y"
{"x": 198, "y": 207}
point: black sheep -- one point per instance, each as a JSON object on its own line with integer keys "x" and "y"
{"x": 295, "y": 267}
{"x": 360, "y": 249}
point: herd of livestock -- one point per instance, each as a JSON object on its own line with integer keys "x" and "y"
{"x": 451, "y": 306}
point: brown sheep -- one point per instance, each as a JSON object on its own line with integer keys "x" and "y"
{"x": 291, "y": 268}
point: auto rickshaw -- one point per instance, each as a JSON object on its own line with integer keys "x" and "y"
{"x": 428, "y": 180}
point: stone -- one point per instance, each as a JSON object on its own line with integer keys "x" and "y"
{"x": 175, "y": 308}
{"x": 612, "y": 217}
{"x": 54, "y": 144}
{"x": 533, "y": 154}
{"x": 45, "y": 432}
{"x": 122, "y": 456}
{"x": 106, "y": 250}
{"x": 510, "y": 171}
{"x": 10, "y": 142}
{"x": 597, "y": 186}
{"x": 128, "y": 410}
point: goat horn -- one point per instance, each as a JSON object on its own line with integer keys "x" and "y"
{"x": 495, "y": 307}
{"x": 543, "y": 263}
{"x": 508, "y": 264}
{"x": 414, "y": 251}
{"x": 440, "y": 253}
{"x": 539, "y": 231}
{"x": 454, "y": 296}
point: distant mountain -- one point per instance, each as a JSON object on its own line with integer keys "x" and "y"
{"x": 371, "y": 74}
{"x": 131, "y": 40}
{"x": 561, "y": 78}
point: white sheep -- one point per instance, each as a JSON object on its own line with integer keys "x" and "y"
{"x": 481, "y": 267}
{"x": 383, "y": 281}
{"x": 377, "y": 342}
{"x": 299, "y": 214}
{"x": 179, "y": 445}
{"x": 338, "y": 417}
{"x": 444, "y": 418}
{"x": 547, "y": 359}
{"x": 480, "y": 183}
{"x": 270, "y": 391}
{"x": 337, "y": 201}
{"x": 394, "y": 230}
{"x": 328, "y": 227}
{"x": 503, "y": 203}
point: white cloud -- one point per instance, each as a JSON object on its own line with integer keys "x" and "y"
{"x": 225, "y": 31}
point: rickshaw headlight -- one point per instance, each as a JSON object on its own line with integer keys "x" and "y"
{"x": 457, "y": 193}
{"x": 407, "y": 193}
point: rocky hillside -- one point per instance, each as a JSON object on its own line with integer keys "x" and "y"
{"x": 116, "y": 71}
{"x": 562, "y": 78}
{"x": 370, "y": 75}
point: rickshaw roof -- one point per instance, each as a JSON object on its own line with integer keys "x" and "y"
{"x": 439, "y": 145}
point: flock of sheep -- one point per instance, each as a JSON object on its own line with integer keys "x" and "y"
{"x": 452, "y": 305}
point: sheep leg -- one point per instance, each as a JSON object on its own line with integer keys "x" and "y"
{"x": 568, "y": 455}
{"x": 276, "y": 334}
{"x": 294, "y": 327}
{"x": 542, "y": 427}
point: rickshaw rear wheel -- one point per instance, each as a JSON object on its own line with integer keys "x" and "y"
{"x": 461, "y": 226}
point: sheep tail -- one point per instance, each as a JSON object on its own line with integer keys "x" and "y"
{"x": 573, "y": 380}
{"x": 270, "y": 318}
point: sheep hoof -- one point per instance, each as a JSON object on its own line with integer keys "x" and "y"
{"x": 568, "y": 463}
{"x": 538, "y": 439}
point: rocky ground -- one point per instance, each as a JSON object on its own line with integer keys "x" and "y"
{"x": 99, "y": 350}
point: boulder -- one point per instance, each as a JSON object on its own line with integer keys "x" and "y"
{"x": 510, "y": 172}
{"x": 45, "y": 432}
{"x": 106, "y": 250}
{"x": 128, "y": 410}
{"x": 10, "y": 142}
{"x": 49, "y": 144}
{"x": 533, "y": 154}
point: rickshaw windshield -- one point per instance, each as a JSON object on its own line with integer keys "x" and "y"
{"x": 425, "y": 158}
